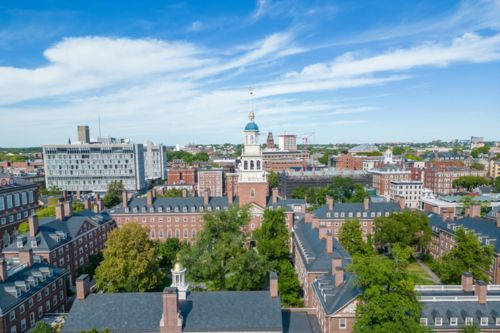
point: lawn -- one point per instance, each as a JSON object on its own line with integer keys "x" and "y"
{"x": 418, "y": 274}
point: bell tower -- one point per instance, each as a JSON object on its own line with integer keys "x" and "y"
{"x": 179, "y": 279}
{"x": 252, "y": 180}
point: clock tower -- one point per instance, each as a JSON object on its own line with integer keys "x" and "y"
{"x": 252, "y": 180}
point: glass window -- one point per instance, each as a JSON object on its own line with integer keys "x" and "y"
{"x": 453, "y": 321}
{"x": 342, "y": 324}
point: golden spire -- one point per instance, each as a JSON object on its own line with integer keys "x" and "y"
{"x": 178, "y": 266}
{"x": 251, "y": 115}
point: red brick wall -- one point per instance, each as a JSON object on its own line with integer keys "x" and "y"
{"x": 181, "y": 176}
{"x": 260, "y": 190}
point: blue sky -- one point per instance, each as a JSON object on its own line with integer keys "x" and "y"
{"x": 179, "y": 71}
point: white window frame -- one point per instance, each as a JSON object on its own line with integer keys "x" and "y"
{"x": 342, "y": 323}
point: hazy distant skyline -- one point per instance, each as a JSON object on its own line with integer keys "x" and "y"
{"x": 178, "y": 72}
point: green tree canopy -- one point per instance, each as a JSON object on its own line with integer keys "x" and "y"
{"x": 477, "y": 166}
{"x": 114, "y": 194}
{"x": 496, "y": 184}
{"x": 187, "y": 157}
{"x": 481, "y": 150}
{"x": 468, "y": 255}
{"x": 171, "y": 193}
{"x": 42, "y": 327}
{"x": 470, "y": 182}
{"x": 53, "y": 190}
{"x": 388, "y": 302}
{"x": 130, "y": 262}
{"x": 23, "y": 228}
{"x": 273, "y": 179}
{"x": 407, "y": 228}
{"x": 272, "y": 237}
{"x": 168, "y": 250}
{"x": 351, "y": 238}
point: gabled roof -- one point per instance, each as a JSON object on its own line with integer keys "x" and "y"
{"x": 47, "y": 235}
{"x": 356, "y": 207}
{"x": 8, "y": 300}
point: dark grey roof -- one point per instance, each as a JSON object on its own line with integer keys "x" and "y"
{"x": 484, "y": 227}
{"x": 171, "y": 204}
{"x": 202, "y": 312}
{"x": 8, "y": 300}
{"x": 356, "y": 207}
{"x": 47, "y": 237}
{"x": 287, "y": 204}
{"x": 299, "y": 322}
{"x": 461, "y": 310}
{"x": 332, "y": 298}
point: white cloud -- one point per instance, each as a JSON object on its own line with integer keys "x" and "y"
{"x": 196, "y": 26}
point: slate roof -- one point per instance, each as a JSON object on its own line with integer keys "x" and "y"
{"x": 299, "y": 322}
{"x": 8, "y": 300}
{"x": 168, "y": 205}
{"x": 48, "y": 228}
{"x": 202, "y": 312}
{"x": 287, "y": 204}
{"x": 356, "y": 207}
{"x": 484, "y": 227}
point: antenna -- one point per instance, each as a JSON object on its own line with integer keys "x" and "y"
{"x": 99, "y": 118}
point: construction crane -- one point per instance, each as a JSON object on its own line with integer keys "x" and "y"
{"x": 305, "y": 141}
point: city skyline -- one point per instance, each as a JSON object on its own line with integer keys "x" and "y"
{"x": 179, "y": 72}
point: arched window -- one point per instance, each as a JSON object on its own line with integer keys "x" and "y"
{"x": 252, "y": 193}
{"x": 258, "y": 165}
{"x": 252, "y": 139}
{"x": 251, "y": 165}
{"x": 245, "y": 165}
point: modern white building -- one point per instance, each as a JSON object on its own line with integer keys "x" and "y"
{"x": 91, "y": 167}
{"x": 155, "y": 161}
{"x": 410, "y": 190}
{"x": 287, "y": 142}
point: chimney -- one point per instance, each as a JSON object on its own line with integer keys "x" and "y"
{"x": 366, "y": 203}
{"x": 401, "y": 202}
{"x": 87, "y": 204}
{"x": 329, "y": 244}
{"x": 230, "y": 196}
{"x": 475, "y": 210}
{"x": 206, "y": 196}
{"x": 170, "y": 322}
{"x": 33, "y": 225}
{"x": 184, "y": 193}
{"x": 150, "y": 198}
{"x": 339, "y": 276}
{"x": 68, "y": 209}
{"x": 99, "y": 205}
{"x": 59, "y": 211}
{"x": 498, "y": 219}
{"x": 336, "y": 262}
{"x": 26, "y": 257}
{"x": 124, "y": 199}
{"x": 65, "y": 195}
{"x": 275, "y": 196}
{"x": 3, "y": 270}
{"x": 329, "y": 202}
{"x": 481, "y": 291}
{"x": 82, "y": 286}
{"x": 467, "y": 280}
{"x": 78, "y": 195}
{"x": 273, "y": 284}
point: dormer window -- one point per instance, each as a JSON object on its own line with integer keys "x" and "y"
{"x": 176, "y": 209}
{"x": 328, "y": 214}
{"x": 453, "y": 321}
{"x": 209, "y": 208}
{"x": 201, "y": 208}
{"x": 168, "y": 209}
{"x": 423, "y": 321}
{"x": 184, "y": 209}
{"x": 20, "y": 243}
{"x": 217, "y": 207}
{"x": 365, "y": 214}
{"x": 342, "y": 214}
{"x": 484, "y": 321}
{"x": 497, "y": 323}
{"x": 152, "y": 210}
{"x": 160, "y": 209}
{"x": 134, "y": 209}
{"x": 372, "y": 214}
{"x": 143, "y": 209}
{"x": 438, "y": 321}
{"x": 193, "y": 209}
{"x": 127, "y": 209}
{"x": 336, "y": 214}
{"x": 469, "y": 321}
{"x": 386, "y": 213}
{"x": 34, "y": 243}
{"x": 350, "y": 214}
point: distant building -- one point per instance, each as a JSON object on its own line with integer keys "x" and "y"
{"x": 409, "y": 190}
{"x": 155, "y": 161}
{"x": 18, "y": 200}
{"x": 476, "y": 142}
{"x": 83, "y": 134}
{"x": 382, "y": 178}
{"x": 231, "y": 184}
{"x": 211, "y": 180}
{"x": 270, "y": 141}
{"x": 364, "y": 148}
{"x": 354, "y": 162}
{"x": 440, "y": 179}
{"x": 283, "y": 160}
{"x": 29, "y": 289}
{"x": 450, "y": 206}
{"x": 287, "y": 142}
{"x": 182, "y": 176}
{"x": 494, "y": 168}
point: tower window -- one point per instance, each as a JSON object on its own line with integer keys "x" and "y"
{"x": 251, "y": 165}
{"x": 245, "y": 165}
{"x": 252, "y": 193}
{"x": 258, "y": 165}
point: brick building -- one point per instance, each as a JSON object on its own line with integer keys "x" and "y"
{"x": 66, "y": 240}
{"x": 28, "y": 290}
{"x": 382, "y": 178}
{"x": 231, "y": 184}
{"x": 440, "y": 179}
{"x": 330, "y": 217}
{"x": 275, "y": 160}
{"x": 487, "y": 228}
{"x": 353, "y": 162}
{"x": 182, "y": 176}
{"x": 211, "y": 180}
{"x": 18, "y": 200}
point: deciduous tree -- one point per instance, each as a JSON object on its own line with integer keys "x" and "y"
{"x": 130, "y": 262}
{"x": 351, "y": 238}
{"x": 114, "y": 194}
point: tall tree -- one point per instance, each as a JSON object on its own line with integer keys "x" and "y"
{"x": 351, "y": 238}
{"x": 219, "y": 244}
{"x": 272, "y": 237}
{"x": 388, "y": 302}
{"x": 289, "y": 285}
{"x": 130, "y": 262}
{"x": 273, "y": 179}
{"x": 406, "y": 228}
{"x": 470, "y": 182}
{"x": 42, "y": 327}
{"x": 496, "y": 184}
{"x": 168, "y": 250}
{"x": 114, "y": 194}
{"x": 468, "y": 255}
{"x": 341, "y": 188}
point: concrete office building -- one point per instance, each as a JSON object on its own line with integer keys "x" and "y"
{"x": 83, "y": 134}
{"x": 287, "y": 142}
{"x": 155, "y": 161}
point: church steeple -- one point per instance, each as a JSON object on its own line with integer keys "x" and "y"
{"x": 179, "y": 278}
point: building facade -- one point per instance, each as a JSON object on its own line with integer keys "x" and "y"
{"x": 92, "y": 167}
{"x": 18, "y": 200}
{"x": 440, "y": 179}
{"x": 287, "y": 142}
{"x": 409, "y": 190}
{"x": 182, "y": 176}
{"x": 383, "y": 177}
{"x": 211, "y": 180}
{"x": 155, "y": 161}
{"x": 29, "y": 290}
{"x": 66, "y": 241}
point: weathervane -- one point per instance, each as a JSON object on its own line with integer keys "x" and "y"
{"x": 251, "y": 115}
